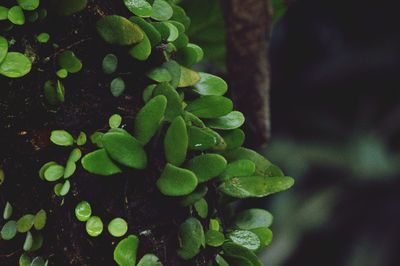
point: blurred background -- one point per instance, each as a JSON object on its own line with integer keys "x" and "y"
{"x": 335, "y": 104}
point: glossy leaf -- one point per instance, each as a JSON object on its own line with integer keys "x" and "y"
{"x": 207, "y": 166}
{"x": 175, "y": 181}
{"x": 25, "y": 223}
{"x": 190, "y": 55}
{"x": 81, "y": 140}
{"x": 200, "y": 139}
{"x": 162, "y": 11}
{"x": 15, "y": 65}
{"x": 62, "y": 189}
{"x": 149, "y": 260}
{"x": 119, "y": 30}
{"x": 148, "y": 119}
{"x": 125, "y": 149}
{"x": 98, "y": 162}
{"x": 118, "y": 227}
{"x": 238, "y": 253}
{"x": 176, "y": 142}
{"x": 54, "y": 172}
{"x": 173, "y": 32}
{"x": 230, "y": 121}
{"x": 9, "y": 230}
{"x": 69, "y": 61}
{"x": 141, "y": 8}
{"x": 28, "y": 242}
{"x": 43, "y": 37}
{"x": 83, "y": 211}
{"x": 44, "y": 168}
{"x": 70, "y": 167}
{"x": 151, "y": 32}
{"x": 191, "y": 238}
{"x": 210, "y": 106}
{"x": 214, "y": 238}
{"x": 115, "y": 121}
{"x": 16, "y": 15}
{"x": 142, "y": 50}
{"x": 28, "y": 4}
{"x": 126, "y": 250}
{"x": 245, "y": 239}
{"x": 160, "y": 74}
{"x": 255, "y": 186}
{"x": 238, "y": 168}
{"x": 94, "y": 226}
{"x": 188, "y": 77}
{"x": 61, "y": 138}
{"x": 264, "y": 234}
{"x": 210, "y": 85}
{"x": 40, "y": 220}
{"x": 233, "y": 138}
{"x": 253, "y": 218}
{"x": 24, "y": 260}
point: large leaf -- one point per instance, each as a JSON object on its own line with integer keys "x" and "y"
{"x": 126, "y": 250}
{"x": 238, "y": 255}
{"x": 141, "y": 8}
{"x": 253, "y": 218}
{"x": 191, "y": 238}
{"x": 151, "y": 32}
{"x": 119, "y": 30}
{"x": 98, "y": 162}
{"x": 15, "y": 65}
{"x": 230, "y": 121}
{"x": 211, "y": 85}
{"x": 175, "y": 181}
{"x": 210, "y": 106}
{"x": 207, "y": 166}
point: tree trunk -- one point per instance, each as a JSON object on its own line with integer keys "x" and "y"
{"x": 248, "y": 24}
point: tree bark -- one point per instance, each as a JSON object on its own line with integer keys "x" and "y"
{"x": 248, "y": 24}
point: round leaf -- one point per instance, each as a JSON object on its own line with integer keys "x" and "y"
{"x": 195, "y": 196}
{"x": 16, "y": 15}
{"x": 15, "y": 65}
{"x": 201, "y": 139}
{"x": 38, "y": 261}
{"x": 245, "y": 239}
{"x": 40, "y": 220}
{"x": 28, "y": 4}
{"x": 188, "y": 77}
{"x": 142, "y": 50}
{"x": 126, "y": 250}
{"x": 62, "y": 189}
{"x": 214, "y": 238}
{"x": 160, "y": 74}
{"x": 201, "y": 207}
{"x": 151, "y": 32}
{"x": 239, "y": 168}
{"x": 119, "y": 30}
{"x": 98, "y": 162}
{"x": 118, "y": 227}
{"x": 149, "y": 260}
{"x": 110, "y": 64}
{"x": 117, "y": 87}
{"x": 174, "y": 101}
{"x": 175, "y": 181}
{"x": 94, "y": 226}
{"x": 264, "y": 234}
{"x": 233, "y": 138}
{"x": 176, "y": 142}
{"x": 83, "y": 211}
{"x": 24, "y": 260}
{"x": 69, "y": 61}
{"x": 61, "y": 138}
{"x": 207, "y": 166}
{"x": 239, "y": 254}
{"x": 44, "y": 168}
{"x": 140, "y": 8}
{"x": 210, "y": 85}
{"x": 253, "y": 218}
{"x": 210, "y": 106}
{"x": 54, "y": 172}
{"x": 161, "y": 10}
{"x": 43, "y": 37}
{"x": 115, "y": 121}
{"x": 191, "y": 238}
{"x": 25, "y": 223}
{"x": 230, "y": 121}
{"x": 9, "y": 230}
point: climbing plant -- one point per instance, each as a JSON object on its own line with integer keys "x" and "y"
{"x": 186, "y": 119}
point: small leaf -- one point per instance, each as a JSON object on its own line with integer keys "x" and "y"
{"x": 118, "y": 227}
{"x": 25, "y": 223}
{"x": 38, "y": 261}
{"x": 81, "y": 140}
{"x": 149, "y": 260}
{"x": 54, "y": 172}
{"x": 9, "y": 230}
{"x": 62, "y": 189}
{"x": 195, "y": 196}
{"x": 201, "y": 139}
{"x": 151, "y": 32}
{"x": 98, "y": 162}
{"x": 207, "y": 166}
{"x": 239, "y": 168}
{"x": 125, "y": 149}
{"x": 201, "y": 207}
{"x": 253, "y": 218}
{"x": 118, "y": 30}
{"x": 44, "y": 168}
{"x": 174, "y": 101}
{"x": 264, "y": 234}
{"x": 40, "y": 220}
{"x": 173, "y": 32}
{"x": 255, "y": 186}
{"x": 115, "y": 121}
{"x": 191, "y": 238}
{"x": 230, "y": 121}
{"x": 3, "y": 48}
{"x": 162, "y": 11}
{"x": 61, "y": 138}
{"x": 126, "y": 250}
{"x": 94, "y": 226}
{"x": 70, "y": 167}
{"x": 28, "y": 4}
{"x": 43, "y": 37}
{"x": 175, "y": 181}
{"x": 96, "y": 137}
{"x": 117, "y": 87}
{"x": 68, "y": 7}
{"x": 16, "y": 15}
{"x": 210, "y": 106}
{"x": 148, "y": 92}
{"x": 24, "y": 260}
{"x": 160, "y": 74}
{"x": 214, "y": 238}
{"x": 62, "y": 73}
{"x": 149, "y": 118}
{"x": 37, "y": 241}
{"x": 8, "y": 210}
{"x": 28, "y": 242}
{"x": 192, "y": 54}
{"x": 141, "y": 8}
{"x": 15, "y": 65}
{"x": 188, "y": 77}
{"x": 69, "y": 61}
{"x": 245, "y": 239}
{"x": 176, "y": 142}
{"x": 83, "y": 211}
{"x": 221, "y": 261}
{"x": 110, "y": 64}
{"x": 142, "y": 50}
{"x": 238, "y": 253}
{"x": 3, "y": 14}
{"x": 175, "y": 70}
{"x": 233, "y": 138}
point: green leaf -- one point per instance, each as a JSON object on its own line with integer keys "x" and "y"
{"x": 214, "y": 238}
{"x": 192, "y": 54}
{"x": 237, "y": 253}
{"x": 162, "y": 11}
{"x": 175, "y": 181}
{"x": 2, "y": 176}
{"x": 264, "y": 234}
{"x": 69, "y": 61}
{"x": 16, "y": 15}
{"x": 96, "y": 137}
{"x": 214, "y": 225}
{"x": 43, "y": 37}
{"x": 149, "y": 118}
{"x": 210, "y": 106}
{"x": 9, "y": 230}
{"x": 125, "y": 149}
{"x": 94, "y": 226}
{"x": 201, "y": 139}
{"x": 24, "y": 260}
{"x": 173, "y": 32}
{"x": 15, "y": 65}
{"x": 140, "y": 8}
{"x": 117, "y": 87}
{"x": 28, "y": 4}
{"x": 188, "y": 77}
{"x": 210, "y": 85}
{"x": 98, "y": 162}
{"x": 81, "y": 140}
{"x": 62, "y": 189}
{"x": 62, "y": 73}
{"x": 195, "y": 196}
{"x": 221, "y": 261}
{"x": 207, "y": 166}
{"x": 40, "y": 220}
{"x": 176, "y": 142}
{"x": 239, "y": 168}
{"x": 174, "y": 101}
{"x": 25, "y": 223}
{"x": 233, "y": 138}
{"x": 175, "y": 70}
{"x": 191, "y": 238}
{"x": 142, "y": 50}
{"x": 149, "y": 260}
{"x": 44, "y": 168}
{"x": 3, "y": 48}
{"x": 38, "y": 261}
{"x": 60, "y": 92}
{"x": 28, "y": 242}
{"x": 118, "y": 227}
{"x": 126, "y": 250}
{"x": 68, "y": 7}
{"x": 8, "y": 210}
{"x": 37, "y": 241}
{"x": 54, "y": 172}
{"x": 109, "y": 64}
{"x": 119, "y": 30}
{"x": 83, "y": 211}
{"x": 115, "y": 121}
{"x": 180, "y": 15}
{"x": 255, "y": 186}
{"x": 160, "y": 74}
{"x": 70, "y": 167}
{"x": 3, "y": 14}
{"x": 253, "y": 218}
{"x": 201, "y": 207}
{"x": 151, "y": 32}
{"x": 230, "y": 121}
{"x": 245, "y": 239}
{"x": 61, "y": 138}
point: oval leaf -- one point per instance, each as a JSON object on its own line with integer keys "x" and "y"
{"x": 207, "y": 166}
{"x": 126, "y": 250}
{"x": 175, "y": 181}
{"x": 98, "y": 162}
{"x": 15, "y": 65}
{"x": 210, "y": 85}
{"x": 191, "y": 238}
{"x": 230, "y": 121}
{"x": 140, "y": 8}
{"x": 119, "y": 30}
{"x": 176, "y": 142}
{"x": 210, "y": 106}
{"x": 149, "y": 260}
{"x": 253, "y": 218}
{"x": 118, "y": 227}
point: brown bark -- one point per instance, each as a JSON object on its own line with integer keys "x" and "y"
{"x": 248, "y": 23}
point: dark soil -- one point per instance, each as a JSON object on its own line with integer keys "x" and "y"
{"x": 25, "y": 125}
